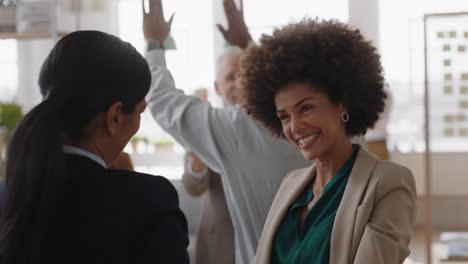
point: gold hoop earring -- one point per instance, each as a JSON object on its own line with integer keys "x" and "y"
{"x": 345, "y": 117}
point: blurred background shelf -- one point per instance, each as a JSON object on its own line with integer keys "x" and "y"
{"x": 23, "y": 36}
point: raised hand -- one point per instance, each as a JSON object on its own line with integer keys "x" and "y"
{"x": 155, "y": 26}
{"x": 197, "y": 165}
{"x": 237, "y": 33}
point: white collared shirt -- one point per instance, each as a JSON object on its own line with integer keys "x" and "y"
{"x": 79, "y": 151}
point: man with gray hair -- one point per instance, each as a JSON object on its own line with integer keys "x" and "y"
{"x": 227, "y": 70}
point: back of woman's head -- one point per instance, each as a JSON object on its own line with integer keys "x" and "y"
{"x": 87, "y": 71}
{"x": 84, "y": 74}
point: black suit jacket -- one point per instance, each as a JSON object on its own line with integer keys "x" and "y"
{"x": 120, "y": 216}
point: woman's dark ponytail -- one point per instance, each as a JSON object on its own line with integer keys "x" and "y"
{"x": 34, "y": 160}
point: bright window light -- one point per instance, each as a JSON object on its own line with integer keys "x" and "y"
{"x": 8, "y": 70}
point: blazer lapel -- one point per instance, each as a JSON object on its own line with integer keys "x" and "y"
{"x": 342, "y": 234}
{"x": 292, "y": 188}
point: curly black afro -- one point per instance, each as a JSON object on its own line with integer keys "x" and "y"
{"x": 328, "y": 54}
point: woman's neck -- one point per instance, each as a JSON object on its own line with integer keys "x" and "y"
{"x": 328, "y": 165}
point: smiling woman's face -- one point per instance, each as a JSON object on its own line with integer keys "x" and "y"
{"x": 310, "y": 121}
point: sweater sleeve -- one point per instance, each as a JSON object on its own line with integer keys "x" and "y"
{"x": 206, "y": 131}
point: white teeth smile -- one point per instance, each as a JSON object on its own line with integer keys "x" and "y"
{"x": 307, "y": 140}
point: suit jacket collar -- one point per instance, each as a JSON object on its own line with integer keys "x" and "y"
{"x": 68, "y": 149}
{"x": 75, "y": 160}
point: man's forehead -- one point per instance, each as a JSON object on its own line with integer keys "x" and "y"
{"x": 230, "y": 58}
{"x": 230, "y": 63}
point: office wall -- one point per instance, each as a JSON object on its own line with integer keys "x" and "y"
{"x": 449, "y": 186}
{"x": 31, "y": 53}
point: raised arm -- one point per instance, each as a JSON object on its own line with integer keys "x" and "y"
{"x": 237, "y": 33}
{"x": 206, "y": 131}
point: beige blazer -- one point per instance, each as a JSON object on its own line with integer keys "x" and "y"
{"x": 215, "y": 237}
{"x": 375, "y": 219}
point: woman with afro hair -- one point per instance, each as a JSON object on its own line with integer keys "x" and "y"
{"x": 317, "y": 83}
